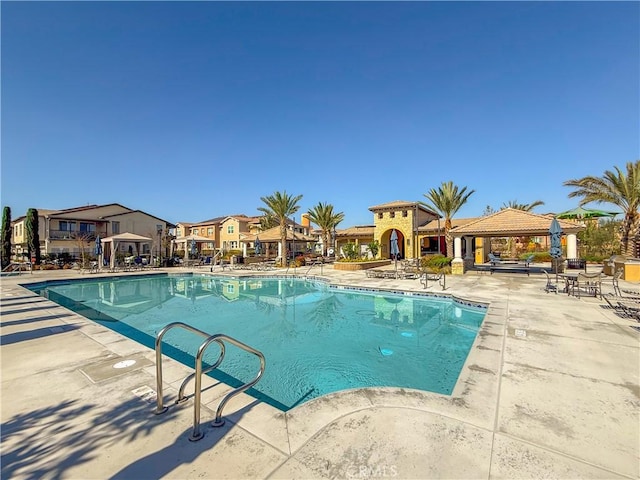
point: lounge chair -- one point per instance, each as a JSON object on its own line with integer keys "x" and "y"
{"x": 625, "y": 307}
{"x": 550, "y": 286}
{"x": 494, "y": 260}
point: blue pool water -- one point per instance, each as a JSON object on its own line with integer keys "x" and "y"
{"x": 317, "y": 339}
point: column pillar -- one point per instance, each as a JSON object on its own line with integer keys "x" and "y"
{"x": 457, "y": 264}
{"x": 572, "y": 245}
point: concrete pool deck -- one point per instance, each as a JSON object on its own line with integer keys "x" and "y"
{"x": 550, "y": 389}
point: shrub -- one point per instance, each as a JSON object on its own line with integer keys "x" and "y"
{"x": 436, "y": 263}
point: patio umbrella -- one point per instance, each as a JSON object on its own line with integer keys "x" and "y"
{"x": 98, "y": 250}
{"x": 257, "y": 246}
{"x": 581, "y": 212}
{"x": 555, "y": 234}
{"x": 394, "y": 248}
{"x": 98, "y": 247}
{"x": 193, "y": 247}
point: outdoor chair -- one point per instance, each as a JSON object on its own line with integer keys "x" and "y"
{"x": 577, "y": 264}
{"x": 616, "y": 282}
{"x": 589, "y": 284}
{"x": 551, "y": 286}
{"x": 494, "y": 260}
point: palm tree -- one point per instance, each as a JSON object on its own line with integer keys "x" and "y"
{"x": 618, "y": 188}
{"x": 281, "y": 205}
{"x": 527, "y": 207}
{"x": 324, "y": 217}
{"x": 268, "y": 221}
{"x": 447, "y": 200}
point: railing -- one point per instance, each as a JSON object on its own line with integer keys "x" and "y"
{"x": 17, "y": 267}
{"x": 73, "y": 235}
{"x": 441, "y": 278}
{"x": 315, "y": 263}
{"x": 219, "y": 339}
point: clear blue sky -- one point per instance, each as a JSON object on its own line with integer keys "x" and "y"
{"x": 190, "y": 111}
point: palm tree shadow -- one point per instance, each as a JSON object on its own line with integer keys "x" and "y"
{"x": 54, "y": 441}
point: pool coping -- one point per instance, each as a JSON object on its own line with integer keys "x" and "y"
{"x": 474, "y": 406}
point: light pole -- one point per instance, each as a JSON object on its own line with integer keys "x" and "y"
{"x": 293, "y": 240}
{"x": 159, "y": 245}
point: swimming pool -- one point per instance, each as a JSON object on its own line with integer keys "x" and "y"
{"x": 316, "y": 338}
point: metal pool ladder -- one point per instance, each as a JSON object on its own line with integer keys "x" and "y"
{"x": 220, "y": 339}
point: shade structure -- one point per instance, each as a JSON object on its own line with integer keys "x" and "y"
{"x": 580, "y": 213}
{"x": 257, "y": 246}
{"x": 555, "y": 235}
{"x": 114, "y": 241}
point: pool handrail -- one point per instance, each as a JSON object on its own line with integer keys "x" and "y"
{"x": 316, "y": 262}
{"x": 219, "y": 339}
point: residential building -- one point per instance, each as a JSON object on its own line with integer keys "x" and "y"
{"x": 72, "y": 231}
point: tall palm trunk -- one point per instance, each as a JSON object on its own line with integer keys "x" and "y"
{"x": 448, "y": 237}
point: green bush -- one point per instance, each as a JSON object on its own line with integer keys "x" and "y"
{"x": 436, "y": 263}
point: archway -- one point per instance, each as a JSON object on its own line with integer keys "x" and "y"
{"x": 386, "y": 242}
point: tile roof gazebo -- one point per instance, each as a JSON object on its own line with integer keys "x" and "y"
{"x": 509, "y": 222}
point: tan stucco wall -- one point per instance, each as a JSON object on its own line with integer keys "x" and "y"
{"x": 384, "y": 225}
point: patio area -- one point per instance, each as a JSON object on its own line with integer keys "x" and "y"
{"x": 550, "y": 389}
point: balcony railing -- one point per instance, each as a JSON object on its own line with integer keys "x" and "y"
{"x": 67, "y": 235}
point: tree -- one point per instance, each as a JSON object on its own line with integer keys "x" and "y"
{"x": 33, "y": 236}
{"x": 6, "y": 237}
{"x": 268, "y": 221}
{"x": 325, "y": 218}
{"x": 281, "y": 205}
{"x": 527, "y": 207}
{"x": 447, "y": 200}
{"x": 618, "y": 187}
{"x": 488, "y": 210}
{"x": 82, "y": 240}
{"x": 374, "y": 248}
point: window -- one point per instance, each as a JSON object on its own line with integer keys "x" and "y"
{"x": 392, "y": 215}
{"x": 380, "y": 215}
{"x": 195, "y": 231}
{"x": 229, "y": 228}
{"x": 404, "y": 213}
{"x": 115, "y": 228}
{"x": 234, "y": 245}
{"x": 209, "y": 231}
{"x": 87, "y": 227}
{"x": 67, "y": 226}
{"x": 230, "y": 288}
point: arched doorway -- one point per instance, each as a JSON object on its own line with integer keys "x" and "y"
{"x": 386, "y": 241}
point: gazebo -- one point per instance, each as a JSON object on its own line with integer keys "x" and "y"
{"x": 272, "y": 236}
{"x": 185, "y": 242}
{"x": 112, "y": 243}
{"x": 509, "y": 222}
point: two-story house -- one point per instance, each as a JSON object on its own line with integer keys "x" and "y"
{"x": 72, "y": 230}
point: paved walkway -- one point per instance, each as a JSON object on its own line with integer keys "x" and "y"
{"x": 549, "y": 390}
